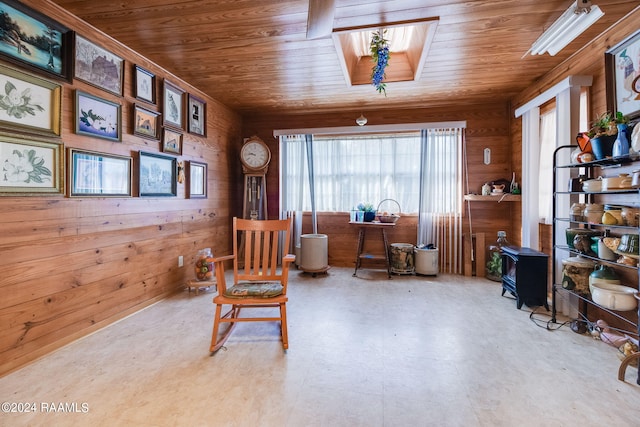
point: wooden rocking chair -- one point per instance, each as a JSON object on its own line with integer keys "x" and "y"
{"x": 259, "y": 283}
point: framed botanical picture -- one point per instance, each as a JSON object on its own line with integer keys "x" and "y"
{"x": 172, "y": 105}
{"x": 144, "y": 85}
{"x": 30, "y": 166}
{"x": 98, "y": 174}
{"x": 98, "y": 66}
{"x": 146, "y": 123}
{"x": 157, "y": 175}
{"x": 35, "y": 41}
{"x": 622, "y": 68}
{"x": 171, "y": 141}
{"x": 197, "y": 116}
{"x": 29, "y": 103}
{"x": 197, "y": 180}
{"x": 98, "y": 117}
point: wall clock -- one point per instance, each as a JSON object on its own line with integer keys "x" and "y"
{"x": 255, "y": 155}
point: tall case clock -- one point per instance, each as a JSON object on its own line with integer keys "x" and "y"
{"x": 255, "y": 157}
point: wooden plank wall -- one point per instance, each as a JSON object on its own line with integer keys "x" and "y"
{"x": 71, "y": 265}
{"x": 488, "y": 126}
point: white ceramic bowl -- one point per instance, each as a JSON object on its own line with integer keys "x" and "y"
{"x": 614, "y": 297}
{"x": 592, "y": 185}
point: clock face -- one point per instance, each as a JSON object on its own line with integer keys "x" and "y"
{"x": 255, "y": 155}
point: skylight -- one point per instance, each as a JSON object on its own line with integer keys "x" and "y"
{"x": 409, "y": 43}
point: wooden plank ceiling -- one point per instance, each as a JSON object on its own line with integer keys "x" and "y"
{"x": 254, "y": 56}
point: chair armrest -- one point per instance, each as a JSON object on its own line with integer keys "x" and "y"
{"x": 288, "y": 258}
{"x": 220, "y": 258}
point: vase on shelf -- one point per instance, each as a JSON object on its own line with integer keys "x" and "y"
{"x": 369, "y": 216}
{"x": 621, "y": 145}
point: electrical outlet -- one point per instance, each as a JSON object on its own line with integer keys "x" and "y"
{"x": 180, "y": 261}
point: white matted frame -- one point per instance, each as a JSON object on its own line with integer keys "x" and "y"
{"x": 197, "y": 180}
{"x": 30, "y": 166}
{"x": 98, "y": 174}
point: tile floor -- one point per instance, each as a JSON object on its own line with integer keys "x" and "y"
{"x": 365, "y": 351}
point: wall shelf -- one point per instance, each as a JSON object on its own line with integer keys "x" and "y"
{"x": 507, "y": 197}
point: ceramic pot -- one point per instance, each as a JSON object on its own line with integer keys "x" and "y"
{"x": 614, "y": 297}
{"x": 593, "y": 213}
{"x": 571, "y": 234}
{"x": 592, "y": 185}
{"x": 369, "y": 216}
{"x": 603, "y": 274}
{"x": 617, "y": 182}
{"x": 635, "y": 179}
{"x": 575, "y": 274}
{"x": 602, "y": 146}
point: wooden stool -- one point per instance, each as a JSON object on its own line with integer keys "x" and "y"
{"x": 197, "y": 284}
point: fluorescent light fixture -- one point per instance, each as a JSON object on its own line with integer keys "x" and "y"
{"x": 573, "y": 22}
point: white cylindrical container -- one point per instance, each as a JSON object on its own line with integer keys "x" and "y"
{"x": 313, "y": 252}
{"x": 426, "y": 261}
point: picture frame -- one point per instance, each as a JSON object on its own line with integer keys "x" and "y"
{"x": 172, "y": 105}
{"x": 97, "y": 117}
{"x": 622, "y": 73}
{"x": 95, "y": 174}
{"x": 45, "y": 171}
{"x": 37, "y": 107}
{"x": 50, "y": 47}
{"x": 144, "y": 85}
{"x": 197, "y": 180}
{"x": 171, "y": 141}
{"x": 197, "y": 116}
{"x": 90, "y": 57}
{"x": 146, "y": 123}
{"x": 157, "y": 175}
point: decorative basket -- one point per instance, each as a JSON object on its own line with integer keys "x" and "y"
{"x": 386, "y": 216}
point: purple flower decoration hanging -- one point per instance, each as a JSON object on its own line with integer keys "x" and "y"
{"x": 380, "y": 55}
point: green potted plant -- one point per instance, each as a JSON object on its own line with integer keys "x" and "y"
{"x": 369, "y": 211}
{"x": 603, "y": 133}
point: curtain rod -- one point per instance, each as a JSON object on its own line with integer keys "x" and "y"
{"x": 369, "y": 128}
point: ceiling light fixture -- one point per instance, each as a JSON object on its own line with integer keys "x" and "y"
{"x": 573, "y": 22}
{"x": 362, "y": 120}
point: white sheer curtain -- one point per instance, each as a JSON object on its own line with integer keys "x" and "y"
{"x": 294, "y": 188}
{"x": 547, "y": 147}
{"x": 440, "y": 220}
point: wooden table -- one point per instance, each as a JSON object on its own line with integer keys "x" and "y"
{"x": 363, "y": 227}
{"x": 198, "y": 284}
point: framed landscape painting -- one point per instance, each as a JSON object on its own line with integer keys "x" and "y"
{"x": 97, "y": 117}
{"x": 171, "y": 141}
{"x": 98, "y": 66}
{"x": 146, "y": 123}
{"x": 157, "y": 175}
{"x": 35, "y": 41}
{"x": 30, "y": 166}
{"x": 98, "y": 174}
{"x": 29, "y": 103}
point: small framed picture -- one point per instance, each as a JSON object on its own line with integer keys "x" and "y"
{"x": 197, "y": 180}
{"x": 157, "y": 175}
{"x": 146, "y": 123}
{"x": 144, "y": 85}
{"x": 171, "y": 141}
{"x": 173, "y": 105}
{"x": 98, "y": 174}
{"x": 30, "y": 166}
{"x": 98, "y": 117}
{"x": 98, "y": 66}
{"x": 197, "y": 116}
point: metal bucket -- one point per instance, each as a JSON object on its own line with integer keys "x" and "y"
{"x": 402, "y": 261}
